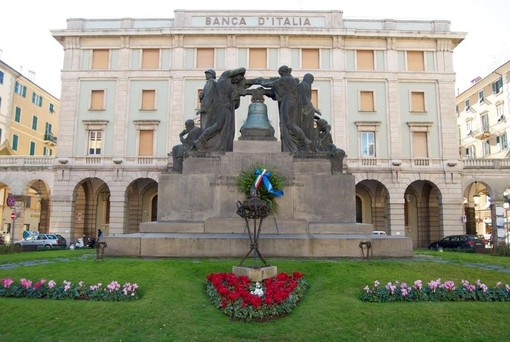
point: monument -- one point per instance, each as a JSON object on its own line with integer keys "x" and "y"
{"x": 197, "y": 204}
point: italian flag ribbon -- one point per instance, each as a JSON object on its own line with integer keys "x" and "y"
{"x": 263, "y": 177}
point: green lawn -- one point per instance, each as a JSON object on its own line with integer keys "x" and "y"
{"x": 174, "y": 306}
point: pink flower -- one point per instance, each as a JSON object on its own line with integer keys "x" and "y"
{"x": 6, "y": 282}
{"x": 51, "y": 284}
{"x": 113, "y": 286}
{"x": 25, "y": 283}
{"x": 418, "y": 284}
{"x": 67, "y": 285}
{"x": 449, "y": 285}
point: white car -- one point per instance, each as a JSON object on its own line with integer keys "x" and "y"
{"x": 379, "y": 232}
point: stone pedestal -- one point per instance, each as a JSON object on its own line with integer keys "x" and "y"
{"x": 255, "y": 274}
{"x": 197, "y": 212}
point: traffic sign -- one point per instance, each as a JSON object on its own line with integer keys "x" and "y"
{"x": 11, "y": 201}
{"x": 13, "y": 215}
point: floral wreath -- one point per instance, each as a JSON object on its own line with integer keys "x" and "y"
{"x": 267, "y": 183}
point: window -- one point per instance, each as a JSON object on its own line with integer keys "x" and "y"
{"x": 32, "y": 148}
{"x": 52, "y": 108}
{"x": 310, "y": 58}
{"x": 419, "y": 139}
{"x": 365, "y": 60}
{"x": 97, "y": 100}
{"x": 37, "y": 99}
{"x": 469, "y": 127}
{"x": 420, "y": 149}
{"x": 45, "y": 151}
{"x": 497, "y": 87}
{"x": 1, "y": 136}
{"x": 20, "y": 90}
{"x": 146, "y": 142}
{"x": 17, "y": 114}
{"x": 315, "y": 98}
{"x": 417, "y": 101}
{"x": 486, "y": 148}
{"x": 15, "y": 142}
{"x": 100, "y": 58}
{"x": 47, "y": 128}
{"x": 415, "y": 61}
{"x": 466, "y": 105}
{"x": 148, "y": 100}
{"x": 366, "y": 101}
{"x": 481, "y": 96}
{"x": 367, "y": 134}
{"x": 367, "y": 144}
{"x": 95, "y": 142}
{"x": 502, "y": 141}
{"x": 500, "y": 111}
{"x": 150, "y": 58}
{"x": 205, "y": 58}
{"x": 485, "y": 122}
{"x": 258, "y": 58}
{"x": 34, "y": 123}
{"x": 146, "y": 135}
{"x": 471, "y": 152}
{"x": 1, "y": 77}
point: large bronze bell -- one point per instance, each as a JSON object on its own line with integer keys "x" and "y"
{"x": 257, "y": 126}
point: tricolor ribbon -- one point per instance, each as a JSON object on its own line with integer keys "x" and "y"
{"x": 263, "y": 176}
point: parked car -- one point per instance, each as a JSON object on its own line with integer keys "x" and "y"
{"x": 42, "y": 241}
{"x": 459, "y": 242}
{"x": 379, "y": 232}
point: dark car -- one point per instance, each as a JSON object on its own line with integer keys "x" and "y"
{"x": 42, "y": 241}
{"x": 459, "y": 242}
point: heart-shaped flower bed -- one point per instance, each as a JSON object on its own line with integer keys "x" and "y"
{"x": 240, "y": 298}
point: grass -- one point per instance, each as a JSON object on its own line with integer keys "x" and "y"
{"x": 174, "y": 306}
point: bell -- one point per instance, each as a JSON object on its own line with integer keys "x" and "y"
{"x": 257, "y": 126}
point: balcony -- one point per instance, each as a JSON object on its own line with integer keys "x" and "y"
{"x": 482, "y": 133}
{"x": 50, "y": 139}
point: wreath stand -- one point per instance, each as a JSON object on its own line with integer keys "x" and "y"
{"x": 253, "y": 208}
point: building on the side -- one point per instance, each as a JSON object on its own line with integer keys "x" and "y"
{"x": 29, "y": 121}
{"x": 483, "y": 128}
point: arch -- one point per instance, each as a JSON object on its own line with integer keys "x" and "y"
{"x": 423, "y": 213}
{"x": 477, "y": 210}
{"x": 372, "y": 203}
{"x": 91, "y": 208}
{"x": 141, "y": 203}
{"x": 37, "y": 206}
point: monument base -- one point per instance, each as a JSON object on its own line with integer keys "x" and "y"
{"x": 255, "y": 274}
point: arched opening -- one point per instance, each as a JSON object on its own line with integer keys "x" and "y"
{"x": 142, "y": 203}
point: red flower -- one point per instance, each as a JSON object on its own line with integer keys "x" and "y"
{"x": 227, "y": 289}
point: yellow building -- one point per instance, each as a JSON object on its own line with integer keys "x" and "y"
{"x": 29, "y": 119}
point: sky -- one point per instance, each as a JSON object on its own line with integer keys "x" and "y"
{"x": 26, "y": 42}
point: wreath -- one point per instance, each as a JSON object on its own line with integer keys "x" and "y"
{"x": 267, "y": 183}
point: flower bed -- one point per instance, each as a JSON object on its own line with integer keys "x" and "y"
{"x": 66, "y": 290}
{"x": 435, "y": 290}
{"x": 240, "y": 298}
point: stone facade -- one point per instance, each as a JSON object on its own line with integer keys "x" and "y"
{"x": 385, "y": 86}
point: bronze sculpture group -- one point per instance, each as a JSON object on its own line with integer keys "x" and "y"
{"x": 302, "y": 129}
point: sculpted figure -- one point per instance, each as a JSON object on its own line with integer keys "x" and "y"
{"x": 206, "y": 97}
{"x": 307, "y": 112}
{"x": 324, "y": 143}
{"x": 285, "y": 91}
{"x": 218, "y": 135}
{"x": 187, "y": 137}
